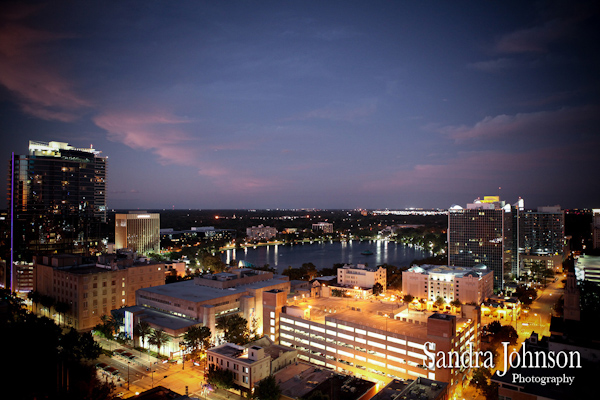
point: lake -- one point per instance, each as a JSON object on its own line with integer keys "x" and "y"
{"x": 324, "y": 255}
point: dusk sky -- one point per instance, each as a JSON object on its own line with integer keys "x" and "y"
{"x": 324, "y": 104}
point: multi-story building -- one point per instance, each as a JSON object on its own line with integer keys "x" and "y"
{"x": 482, "y": 234}
{"x": 209, "y": 297}
{"x": 92, "y": 289}
{"x": 56, "y": 200}
{"x": 596, "y": 228}
{"x": 261, "y": 232}
{"x": 541, "y": 238}
{"x": 361, "y": 276}
{"x": 469, "y": 285}
{"x": 325, "y": 227}
{"x": 588, "y": 268}
{"x": 252, "y": 363}
{"x": 377, "y": 341}
{"x": 138, "y": 231}
{"x": 249, "y": 365}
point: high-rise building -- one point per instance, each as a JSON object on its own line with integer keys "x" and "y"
{"x": 596, "y": 228}
{"x": 56, "y": 200}
{"x": 138, "y": 231}
{"x": 541, "y": 238}
{"x": 482, "y": 234}
{"x": 542, "y": 232}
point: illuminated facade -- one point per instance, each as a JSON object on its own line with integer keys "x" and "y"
{"x": 542, "y": 232}
{"x": 56, "y": 200}
{"x": 376, "y": 347}
{"x": 361, "y": 276}
{"x": 325, "y": 227}
{"x": 469, "y": 285}
{"x": 93, "y": 289}
{"x": 138, "y": 231}
{"x": 207, "y": 298}
{"x": 596, "y": 228}
{"x": 483, "y": 234}
{"x": 261, "y": 232}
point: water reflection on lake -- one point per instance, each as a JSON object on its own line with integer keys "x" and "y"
{"x": 324, "y": 255}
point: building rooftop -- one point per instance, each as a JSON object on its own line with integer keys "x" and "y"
{"x": 428, "y": 269}
{"x": 371, "y": 314}
{"x": 231, "y": 350}
{"x": 188, "y": 290}
{"x": 344, "y": 387}
{"x": 419, "y": 389}
{"x": 298, "y": 379}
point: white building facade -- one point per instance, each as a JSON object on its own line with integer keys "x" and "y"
{"x": 469, "y": 285}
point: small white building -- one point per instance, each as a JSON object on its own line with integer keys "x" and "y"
{"x": 361, "y": 276}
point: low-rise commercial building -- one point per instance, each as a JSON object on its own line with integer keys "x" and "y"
{"x": 252, "y": 363}
{"x": 209, "y": 297}
{"x": 325, "y": 227}
{"x": 261, "y": 232}
{"x": 469, "y": 285}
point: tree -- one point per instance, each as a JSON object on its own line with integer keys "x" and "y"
{"x": 316, "y": 395}
{"x": 142, "y": 329}
{"x": 107, "y": 326}
{"x": 196, "y": 338}
{"x": 235, "y": 329}
{"x": 158, "y": 339}
{"x": 62, "y": 308}
{"x": 456, "y": 303}
{"x": 507, "y": 333}
{"x": 220, "y": 378}
{"x": 213, "y": 263}
{"x": 267, "y": 389}
{"x": 481, "y": 381}
{"x": 408, "y": 298}
{"x": 439, "y": 301}
{"x": 493, "y": 327}
{"x": 47, "y": 302}
{"x": 55, "y": 364}
{"x": 480, "y": 378}
{"x": 35, "y": 298}
{"x": 377, "y": 289}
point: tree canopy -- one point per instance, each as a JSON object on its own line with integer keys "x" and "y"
{"x": 267, "y": 389}
{"x": 235, "y": 329}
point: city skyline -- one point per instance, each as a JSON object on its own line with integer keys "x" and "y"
{"x": 311, "y": 105}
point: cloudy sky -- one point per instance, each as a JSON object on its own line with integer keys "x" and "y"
{"x": 258, "y": 104}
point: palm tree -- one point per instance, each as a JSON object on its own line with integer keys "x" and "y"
{"x": 142, "y": 329}
{"x": 61, "y": 308}
{"x": 158, "y": 338}
{"x": 47, "y": 302}
{"x": 35, "y": 298}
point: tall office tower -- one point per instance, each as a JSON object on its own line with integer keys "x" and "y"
{"x": 56, "y": 200}
{"x": 138, "y": 231}
{"x": 482, "y": 234}
{"x": 596, "y": 228}
{"x": 541, "y": 237}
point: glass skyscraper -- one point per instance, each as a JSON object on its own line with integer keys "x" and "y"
{"x": 56, "y": 200}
